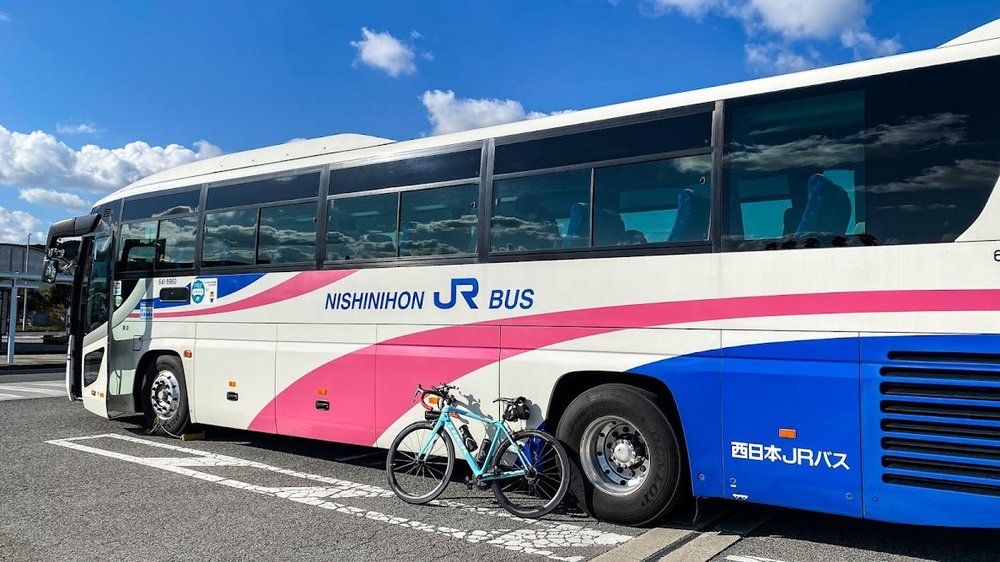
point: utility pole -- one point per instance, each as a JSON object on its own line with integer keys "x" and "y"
{"x": 24, "y": 314}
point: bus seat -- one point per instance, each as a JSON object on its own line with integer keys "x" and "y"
{"x": 578, "y": 230}
{"x": 691, "y": 223}
{"x": 609, "y": 232}
{"x": 828, "y": 208}
{"x": 798, "y": 193}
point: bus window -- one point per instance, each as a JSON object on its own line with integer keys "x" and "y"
{"x": 673, "y": 134}
{"x": 138, "y": 246}
{"x": 362, "y": 227}
{"x": 933, "y": 151}
{"x": 229, "y": 238}
{"x": 537, "y": 212}
{"x": 661, "y": 201}
{"x": 287, "y": 234}
{"x": 438, "y": 221}
{"x": 176, "y": 239}
{"x": 263, "y": 191}
{"x": 796, "y": 172}
{"x": 161, "y": 205}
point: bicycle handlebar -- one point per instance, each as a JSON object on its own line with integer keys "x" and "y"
{"x": 442, "y": 391}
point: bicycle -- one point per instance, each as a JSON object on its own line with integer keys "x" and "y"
{"x": 528, "y": 470}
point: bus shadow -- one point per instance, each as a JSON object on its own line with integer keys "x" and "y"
{"x": 911, "y": 541}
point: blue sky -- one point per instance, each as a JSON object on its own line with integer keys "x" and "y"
{"x": 94, "y": 95}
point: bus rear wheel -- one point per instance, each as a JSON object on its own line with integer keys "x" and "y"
{"x": 629, "y": 468}
{"x": 164, "y": 396}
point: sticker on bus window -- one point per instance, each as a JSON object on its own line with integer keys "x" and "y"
{"x": 204, "y": 291}
{"x": 118, "y": 288}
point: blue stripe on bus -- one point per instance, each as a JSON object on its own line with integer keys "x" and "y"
{"x": 228, "y": 284}
{"x": 882, "y": 425}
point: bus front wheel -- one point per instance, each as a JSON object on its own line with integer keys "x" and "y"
{"x": 629, "y": 467}
{"x": 164, "y": 396}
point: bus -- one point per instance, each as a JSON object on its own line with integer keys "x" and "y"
{"x": 783, "y": 291}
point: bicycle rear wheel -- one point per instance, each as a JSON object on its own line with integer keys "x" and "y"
{"x": 544, "y": 485}
{"x": 417, "y": 480}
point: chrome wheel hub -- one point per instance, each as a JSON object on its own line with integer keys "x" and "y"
{"x": 614, "y": 455}
{"x": 165, "y": 395}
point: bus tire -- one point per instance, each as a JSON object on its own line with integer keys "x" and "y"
{"x": 164, "y": 396}
{"x": 637, "y": 477}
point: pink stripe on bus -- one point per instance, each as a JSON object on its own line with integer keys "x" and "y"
{"x": 434, "y": 359}
{"x": 296, "y": 286}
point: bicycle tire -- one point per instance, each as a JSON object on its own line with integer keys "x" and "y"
{"x": 536, "y": 495}
{"x": 402, "y": 455}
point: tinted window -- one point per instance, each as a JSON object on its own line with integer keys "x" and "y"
{"x": 662, "y": 201}
{"x": 541, "y": 212}
{"x": 137, "y": 246}
{"x": 438, "y": 221}
{"x": 652, "y": 137}
{"x": 362, "y": 227}
{"x": 933, "y": 151}
{"x": 411, "y": 171}
{"x": 263, "y": 191}
{"x": 176, "y": 243}
{"x": 229, "y": 238}
{"x": 287, "y": 234}
{"x": 161, "y": 205}
{"x": 904, "y": 158}
{"x": 797, "y": 172}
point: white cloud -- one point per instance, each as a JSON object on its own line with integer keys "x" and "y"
{"x": 15, "y": 226}
{"x": 780, "y": 23}
{"x": 4, "y": 17}
{"x": 40, "y": 159}
{"x": 51, "y": 198}
{"x": 82, "y": 128}
{"x": 799, "y": 19}
{"x": 866, "y": 45}
{"x": 383, "y": 51}
{"x": 450, "y": 114}
{"x": 777, "y": 58}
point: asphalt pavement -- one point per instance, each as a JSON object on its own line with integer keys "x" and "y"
{"x": 74, "y": 486}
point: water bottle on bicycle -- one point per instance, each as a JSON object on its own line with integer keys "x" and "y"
{"x": 527, "y": 470}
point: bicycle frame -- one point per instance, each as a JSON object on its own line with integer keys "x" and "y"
{"x": 501, "y": 432}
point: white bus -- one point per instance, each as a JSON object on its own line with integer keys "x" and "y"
{"x": 783, "y": 291}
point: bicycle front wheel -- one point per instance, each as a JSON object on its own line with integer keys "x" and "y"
{"x": 546, "y": 478}
{"x": 419, "y": 478}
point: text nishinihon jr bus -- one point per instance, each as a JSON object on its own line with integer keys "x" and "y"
{"x": 784, "y": 291}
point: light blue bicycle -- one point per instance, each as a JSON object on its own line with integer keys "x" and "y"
{"x": 528, "y": 470}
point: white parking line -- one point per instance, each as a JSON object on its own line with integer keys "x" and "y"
{"x": 537, "y": 537}
{"x": 53, "y": 384}
{"x": 26, "y": 390}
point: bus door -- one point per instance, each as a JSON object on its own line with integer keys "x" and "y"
{"x": 90, "y": 332}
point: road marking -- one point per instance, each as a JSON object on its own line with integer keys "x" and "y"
{"x": 53, "y": 384}
{"x": 34, "y": 389}
{"x": 537, "y": 537}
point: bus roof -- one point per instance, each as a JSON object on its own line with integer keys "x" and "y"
{"x": 981, "y": 42}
